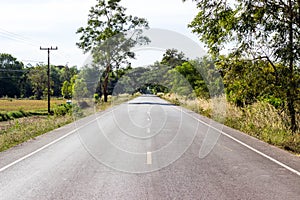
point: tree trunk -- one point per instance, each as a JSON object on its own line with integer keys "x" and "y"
{"x": 292, "y": 111}
{"x": 105, "y": 91}
{"x": 105, "y": 84}
{"x": 291, "y": 88}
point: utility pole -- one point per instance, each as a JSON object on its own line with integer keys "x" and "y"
{"x": 48, "y": 74}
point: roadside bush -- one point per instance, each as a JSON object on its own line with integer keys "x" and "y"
{"x": 62, "y": 109}
{"x": 13, "y": 115}
{"x": 77, "y": 111}
{"x": 4, "y": 116}
{"x": 96, "y": 98}
{"x": 16, "y": 114}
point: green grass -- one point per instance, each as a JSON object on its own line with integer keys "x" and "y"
{"x": 15, "y": 108}
{"x": 21, "y": 130}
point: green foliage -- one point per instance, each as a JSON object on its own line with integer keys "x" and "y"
{"x": 12, "y": 75}
{"x": 105, "y": 37}
{"x": 276, "y": 102}
{"x": 173, "y": 58}
{"x": 267, "y": 31}
{"x": 66, "y": 90}
{"x": 80, "y": 89}
{"x": 6, "y": 116}
{"x": 107, "y": 19}
{"x": 254, "y": 27}
{"x": 62, "y": 109}
{"x": 214, "y": 24}
{"x": 193, "y": 76}
{"x": 196, "y": 76}
{"x": 97, "y": 98}
{"x": 38, "y": 79}
{"x": 19, "y": 81}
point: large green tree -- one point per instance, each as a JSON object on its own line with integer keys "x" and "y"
{"x": 106, "y": 36}
{"x": 38, "y": 79}
{"x": 11, "y": 74}
{"x": 266, "y": 30}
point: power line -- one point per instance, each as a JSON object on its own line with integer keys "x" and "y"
{"x": 34, "y": 61}
{"x": 17, "y": 37}
{"x": 25, "y": 40}
{"x": 13, "y": 70}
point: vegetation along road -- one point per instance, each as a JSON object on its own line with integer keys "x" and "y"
{"x": 214, "y": 119}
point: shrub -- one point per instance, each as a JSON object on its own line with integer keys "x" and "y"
{"x": 97, "y": 98}
{"x": 13, "y": 115}
{"x": 62, "y": 109}
{"x": 77, "y": 111}
{"x": 4, "y": 116}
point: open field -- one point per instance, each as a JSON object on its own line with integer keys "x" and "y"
{"x": 7, "y": 105}
{"x": 16, "y": 131}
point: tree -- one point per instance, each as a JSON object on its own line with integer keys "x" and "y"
{"x": 11, "y": 74}
{"x": 173, "y": 58}
{"x": 38, "y": 80}
{"x": 80, "y": 89}
{"x": 266, "y": 30}
{"x": 91, "y": 76}
{"x": 66, "y": 90}
{"x": 55, "y": 77}
{"x": 66, "y": 73}
{"x": 105, "y": 36}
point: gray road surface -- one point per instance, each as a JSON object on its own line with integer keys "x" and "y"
{"x": 146, "y": 149}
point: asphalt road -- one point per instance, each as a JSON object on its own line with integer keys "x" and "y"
{"x": 147, "y": 149}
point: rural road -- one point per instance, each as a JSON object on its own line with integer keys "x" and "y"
{"x": 146, "y": 149}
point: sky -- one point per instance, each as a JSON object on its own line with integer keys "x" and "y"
{"x": 27, "y": 25}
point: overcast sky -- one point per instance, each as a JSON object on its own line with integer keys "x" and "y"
{"x": 27, "y": 25}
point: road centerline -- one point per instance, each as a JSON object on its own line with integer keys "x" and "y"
{"x": 149, "y": 158}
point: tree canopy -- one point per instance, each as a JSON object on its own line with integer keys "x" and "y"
{"x": 256, "y": 30}
{"x": 11, "y": 75}
{"x": 105, "y": 36}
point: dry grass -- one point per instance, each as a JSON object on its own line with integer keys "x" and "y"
{"x": 17, "y": 131}
{"x": 21, "y": 130}
{"x": 7, "y": 105}
{"x": 260, "y": 120}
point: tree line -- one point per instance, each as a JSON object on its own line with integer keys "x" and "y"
{"x": 261, "y": 40}
{"x": 261, "y": 61}
{"x": 20, "y": 81}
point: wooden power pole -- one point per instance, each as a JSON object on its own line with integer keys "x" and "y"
{"x": 48, "y": 74}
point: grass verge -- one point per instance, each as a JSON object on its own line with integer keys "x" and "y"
{"x": 21, "y": 130}
{"x": 17, "y": 131}
{"x": 260, "y": 120}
